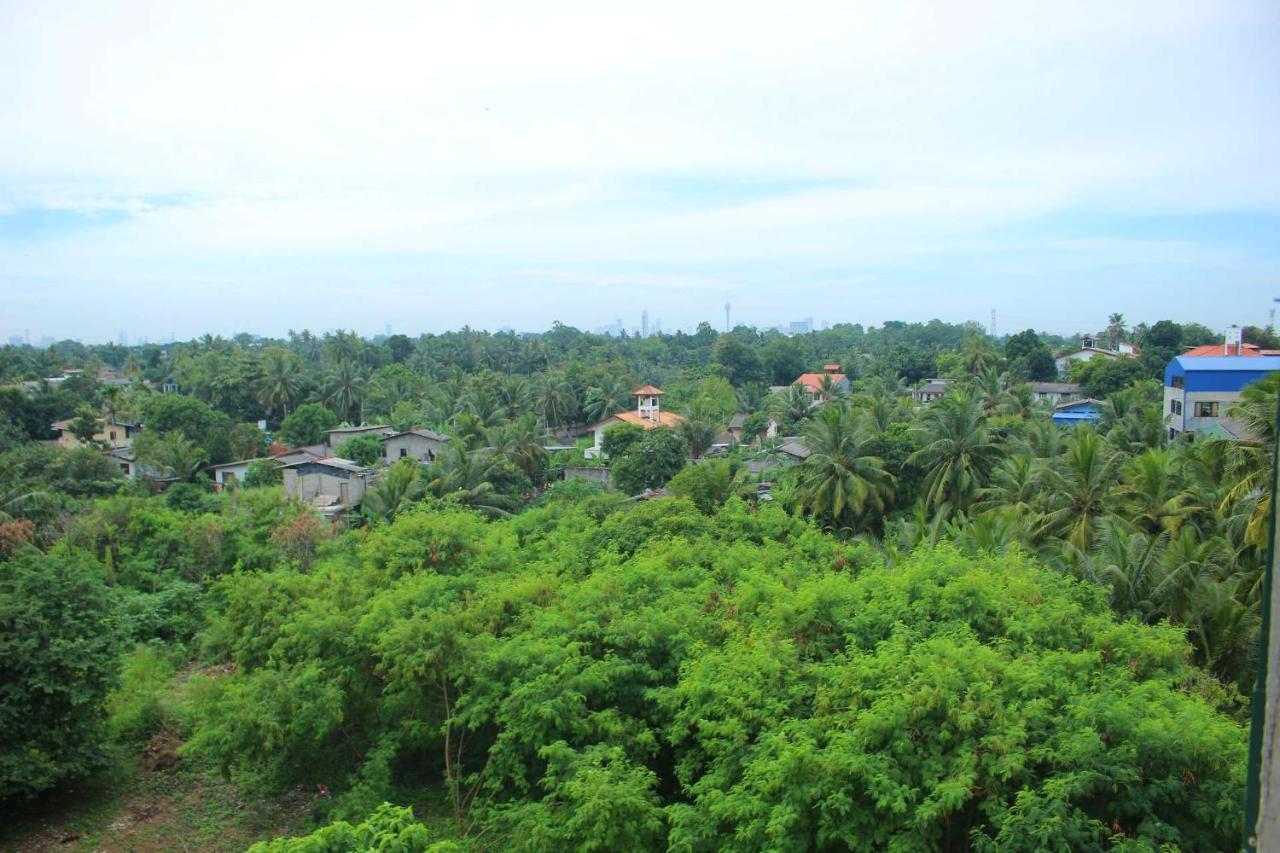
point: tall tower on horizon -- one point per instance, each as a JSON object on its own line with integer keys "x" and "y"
{"x": 644, "y": 323}
{"x": 727, "y": 306}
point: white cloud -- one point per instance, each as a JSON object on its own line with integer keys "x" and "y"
{"x": 530, "y": 133}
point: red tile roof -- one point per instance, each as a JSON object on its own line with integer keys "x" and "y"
{"x": 1220, "y": 349}
{"x": 665, "y": 419}
{"x": 647, "y": 391}
{"x": 812, "y": 382}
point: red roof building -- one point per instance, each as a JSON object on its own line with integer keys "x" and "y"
{"x": 1226, "y": 349}
{"x": 812, "y": 382}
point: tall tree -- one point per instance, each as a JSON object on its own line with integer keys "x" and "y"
{"x": 958, "y": 452}
{"x": 279, "y": 379}
{"x": 842, "y": 482}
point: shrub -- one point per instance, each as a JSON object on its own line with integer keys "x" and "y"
{"x": 57, "y": 661}
{"x": 137, "y": 708}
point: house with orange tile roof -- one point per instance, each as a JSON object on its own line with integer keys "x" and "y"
{"x": 813, "y": 382}
{"x": 648, "y": 414}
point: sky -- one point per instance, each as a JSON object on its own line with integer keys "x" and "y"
{"x": 182, "y": 168}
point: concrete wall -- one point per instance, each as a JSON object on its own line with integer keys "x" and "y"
{"x": 414, "y": 446}
{"x": 348, "y": 491}
{"x": 335, "y": 439}
{"x": 594, "y": 475}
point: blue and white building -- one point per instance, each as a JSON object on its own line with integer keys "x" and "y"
{"x": 1198, "y": 390}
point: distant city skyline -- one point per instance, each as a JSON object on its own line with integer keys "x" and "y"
{"x": 183, "y": 169}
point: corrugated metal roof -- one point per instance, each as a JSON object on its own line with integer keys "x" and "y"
{"x": 1220, "y": 363}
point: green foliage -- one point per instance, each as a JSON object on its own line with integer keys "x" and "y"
{"x": 363, "y": 449}
{"x": 661, "y": 678}
{"x": 650, "y": 462}
{"x": 263, "y": 472}
{"x": 307, "y": 425}
{"x": 620, "y": 438}
{"x": 1101, "y": 377}
{"x": 57, "y": 661}
{"x": 709, "y": 484}
{"x": 1029, "y": 358}
{"x": 85, "y": 425}
{"x": 172, "y": 454}
{"x": 842, "y": 482}
{"x": 137, "y": 707}
{"x": 390, "y": 829}
{"x": 738, "y": 360}
{"x": 207, "y": 431}
{"x": 248, "y": 442}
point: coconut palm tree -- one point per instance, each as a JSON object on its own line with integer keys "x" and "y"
{"x": 842, "y": 482}
{"x": 279, "y": 379}
{"x": 1017, "y": 482}
{"x": 793, "y": 406}
{"x": 751, "y": 397}
{"x": 518, "y": 441}
{"x": 173, "y": 454}
{"x": 1249, "y": 465}
{"x": 481, "y": 402}
{"x": 347, "y": 385}
{"x": 1153, "y": 495}
{"x": 1078, "y": 489}
{"x": 394, "y": 491}
{"x": 554, "y": 400}
{"x": 959, "y": 453}
{"x": 700, "y": 434}
{"x": 466, "y": 477}
{"x": 605, "y": 399}
{"x": 513, "y": 394}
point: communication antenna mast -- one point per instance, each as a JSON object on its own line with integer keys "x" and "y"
{"x": 993, "y": 322}
{"x": 727, "y": 327}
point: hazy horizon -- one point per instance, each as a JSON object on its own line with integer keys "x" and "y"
{"x": 177, "y": 171}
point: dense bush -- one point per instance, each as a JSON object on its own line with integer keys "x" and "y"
{"x": 389, "y": 829}
{"x": 736, "y": 682}
{"x": 57, "y": 660}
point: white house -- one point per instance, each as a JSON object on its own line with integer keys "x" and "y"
{"x": 648, "y": 415}
{"x": 230, "y": 472}
{"x": 1090, "y": 350}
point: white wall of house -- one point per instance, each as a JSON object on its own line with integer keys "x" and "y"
{"x": 1186, "y": 411}
{"x": 224, "y": 474}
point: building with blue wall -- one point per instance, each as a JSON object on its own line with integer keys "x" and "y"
{"x": 1198, "y": 390}
{"x": 1086, "y": 411}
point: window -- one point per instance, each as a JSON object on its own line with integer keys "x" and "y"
{"x": 404, "y": 452}
{"x": 1175, "y": 407}
{"x": 1207, "y": 409}
{"x": 1176, "y": 382}
{"x": 113, "y": 435}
